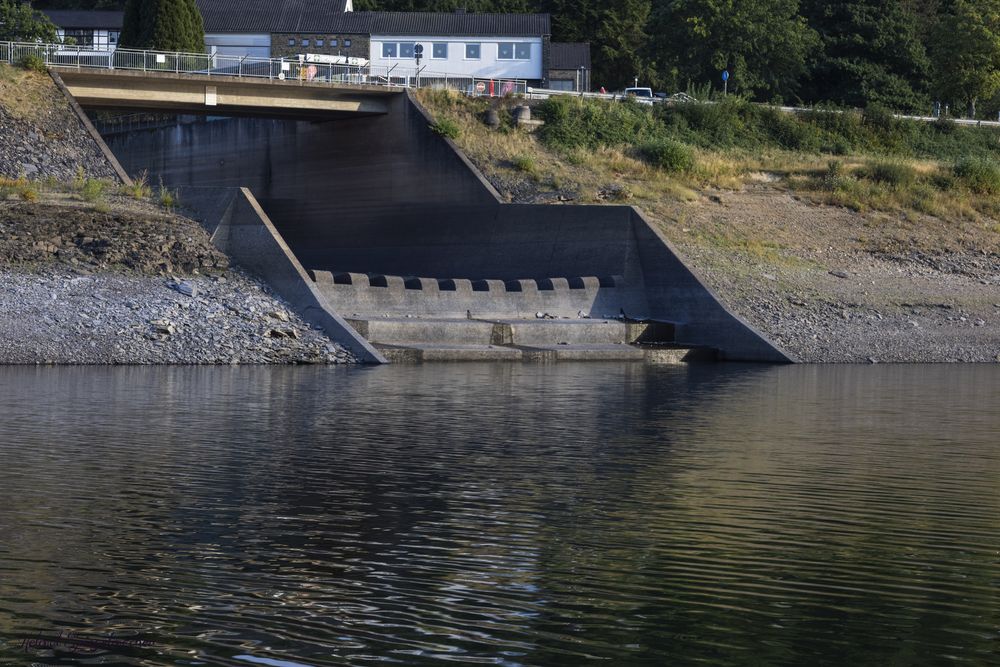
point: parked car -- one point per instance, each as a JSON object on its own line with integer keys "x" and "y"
{"x": 640, "y": 95}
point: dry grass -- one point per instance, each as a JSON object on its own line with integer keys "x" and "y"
{"x": 904, "y": 203}
{"x": 24, "y": 94}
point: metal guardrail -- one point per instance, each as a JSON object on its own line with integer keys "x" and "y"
{"x": 293, "y": 70}
{"x": 682, "y": 98}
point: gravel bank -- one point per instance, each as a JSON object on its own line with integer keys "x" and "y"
{"x": 52, "y": 316}
{"x": 833, "y": 285}
{"x": 122, "y": 281}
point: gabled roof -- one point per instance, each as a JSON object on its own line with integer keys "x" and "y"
{"x": 329, "y": 16}
{"x": 456, "y": 23}
{"x": 569, "y": 55}
{"x": 266, "y": 16}
{"x": 85, "y": 19}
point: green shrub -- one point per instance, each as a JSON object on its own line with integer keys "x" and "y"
{"x": 896, "y": 174}
{"x": 980, "y": 175}
{"x": 80, "y": 179}
{"x": 92, "y": 190}
{"x": 446, "y": 128}
{"x": 525, "y": 163}
{"x": 33, "y": 62}
{"x": 945, "y": 125}
{"x": 574, "y": 123}
{"x": 28, "y": 192}
{"x": 790, "y": 131}
{"x": 668, "y": 155}
{"x": 168, "y": 199}
{"x": 835, "y": 176}
{"x": 140, "y": 187}
{"x": 879, "y": 119}
{"x": 731, "y": 122}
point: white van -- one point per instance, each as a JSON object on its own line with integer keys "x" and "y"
{"x": 641, "y": 95}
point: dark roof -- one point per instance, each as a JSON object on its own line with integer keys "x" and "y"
{"x": 328, "y": 16}
{"x": 84, "y": 19}
{"x": 569, "y": 55}
{"x": 456, "y": 23}
{"x": 265, "y": 16}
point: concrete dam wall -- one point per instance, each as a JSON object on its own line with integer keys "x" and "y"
{"x": 390, "y": 219}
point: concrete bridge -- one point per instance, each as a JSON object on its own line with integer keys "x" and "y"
{"x": 223, "y": 95}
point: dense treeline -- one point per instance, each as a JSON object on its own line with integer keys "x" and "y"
{"x": 902, "y": 54}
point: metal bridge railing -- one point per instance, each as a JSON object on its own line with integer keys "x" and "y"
{"x": 171, "y": 62}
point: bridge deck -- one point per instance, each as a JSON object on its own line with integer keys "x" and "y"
{"x": 227, "y": 96}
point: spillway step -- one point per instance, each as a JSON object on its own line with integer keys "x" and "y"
{"x": 417, "y": 352}
{"x": 576, "y": 331}
{"x": 394, "y": 331}
{"x": 587, "y": 352}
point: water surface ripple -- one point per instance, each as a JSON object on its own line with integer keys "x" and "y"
{"x": 502, "y": 514}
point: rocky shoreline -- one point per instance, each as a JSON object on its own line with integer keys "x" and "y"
{"x": 59, "y": 317}
{"x": 123, "y": 281}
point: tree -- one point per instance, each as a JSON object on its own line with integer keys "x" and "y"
{"x": 765, "y": 44}
{"x": 164, "y": 25}
{"x": 20, "y": 23}
{"x": 967, "y": 52}
{"x": 872, "y": 53}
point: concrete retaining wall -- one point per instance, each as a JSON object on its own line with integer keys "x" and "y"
{"x": 241, "y": 229}
{"x": 386, "y": 196}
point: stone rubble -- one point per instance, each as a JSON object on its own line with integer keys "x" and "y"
{"x": 57, "y": 317}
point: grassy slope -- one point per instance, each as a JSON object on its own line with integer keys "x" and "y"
{"x": 902, "y": 196}
{"x": 27, "y": 95}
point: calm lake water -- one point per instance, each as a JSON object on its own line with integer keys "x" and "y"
{"x": 501, "y": 514}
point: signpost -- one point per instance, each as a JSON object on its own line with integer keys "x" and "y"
{"x": 418, "y": 53}
{"x": 725, "y": 82}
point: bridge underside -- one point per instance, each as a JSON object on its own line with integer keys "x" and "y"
{"x": 223, "y": 96}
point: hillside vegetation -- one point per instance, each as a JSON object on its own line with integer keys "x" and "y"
{"x": 592, "y": 151}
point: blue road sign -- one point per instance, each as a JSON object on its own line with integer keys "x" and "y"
{"x": 725, "y": 75}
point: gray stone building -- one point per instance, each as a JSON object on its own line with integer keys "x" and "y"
{"x": 569, "y": 66}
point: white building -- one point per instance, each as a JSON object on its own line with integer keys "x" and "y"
{"x": 461, "y": 44}
{"x": 88, "y": 29}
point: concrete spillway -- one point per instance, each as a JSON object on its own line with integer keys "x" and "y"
{"x": 390, "y": 222}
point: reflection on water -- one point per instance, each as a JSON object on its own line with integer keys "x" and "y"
{"x": 502, "y": 514}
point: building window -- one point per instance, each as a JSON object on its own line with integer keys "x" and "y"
{"x": 291, "y": 42}
{"x": 305, "y": 42}
{"x": 440, "y": 50}
{"x": 319, "y": 42}
{"x": 333, "y": 42}
{"x": 513, "y": 51}
{"x": 472, "y": 51}
{"x": 113, "y": 37}
{"x": 388, "y": 49}
{"x": 83, "y": 38}
{"x": 406, "y": 49}
{"x": 347, "y": 43}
